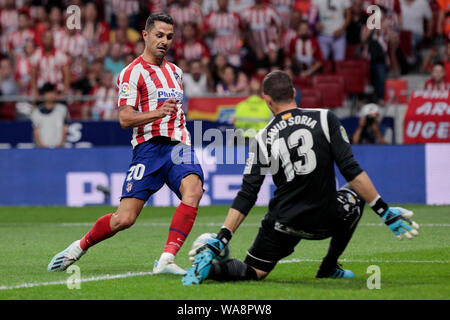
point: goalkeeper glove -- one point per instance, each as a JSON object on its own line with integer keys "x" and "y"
{"x": 204, "y": 256}
{"x": 397, "y": 219}
{"x": 216, "y": 245}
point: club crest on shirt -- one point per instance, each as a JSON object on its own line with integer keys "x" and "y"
{"x": 129, "y": 186}
{"x": 344, "y": 134}
{"x": 177, "y": 77}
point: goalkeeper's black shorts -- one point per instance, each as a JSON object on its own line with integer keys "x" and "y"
{"x": 275, "y": 241}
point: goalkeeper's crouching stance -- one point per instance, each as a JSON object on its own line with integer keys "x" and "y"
{"x": 299, "y": 148}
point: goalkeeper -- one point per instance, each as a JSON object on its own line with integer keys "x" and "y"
{"x": 299, "y": 148}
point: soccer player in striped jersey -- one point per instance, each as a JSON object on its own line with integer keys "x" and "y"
{"x": 150, "y": 102}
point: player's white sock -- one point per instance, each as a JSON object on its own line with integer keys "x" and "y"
{"x": 166, "y": 257}
{"x": 166, "y": 265}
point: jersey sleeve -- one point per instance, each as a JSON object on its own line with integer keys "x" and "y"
{"x": 128, "y": 87}
{"x": 341, "y": 148}
{"x": 256, "y": 167}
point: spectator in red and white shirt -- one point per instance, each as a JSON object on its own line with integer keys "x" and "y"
{"x": 41, "y": 24}
{"x": 189, "y": 47}
{"x": 9, "y": 18}
{"x": 284, "y": 9}
{"x": 185, "y": 11}
{"x": 104, "y": 105}
{"x": 56, "y": 24}
{"x": 291, "y": 33}
{"x": 305, "y": 52}
{"x": 18, "y": 37}
{"x": 263, "y": 26}
{"x": 96, "y": 32}
{"x": 49, "y": 65}
{"x": 225, "y": 29}
{"x": 75, "y": 45}
{"x": 438, "y": 80}
{"x": 22, "y": 68}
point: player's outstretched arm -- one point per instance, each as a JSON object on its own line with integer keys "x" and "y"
{"x": 397, "y": 219}
{"x": 130, "y": 118}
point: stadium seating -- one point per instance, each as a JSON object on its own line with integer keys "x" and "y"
{"x": 405, "y": 42}
{"x": 355, "y": 74}
{"x": 311, "y": 98}
{"x": 8, "y": 111}
{"x": 331, "y": 88}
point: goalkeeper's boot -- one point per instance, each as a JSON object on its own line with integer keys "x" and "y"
{"x": 335, "y": 273}
{"x": 200, "y": 268}
{"x": 166, "y": 264}
{"x": 65, "y": 258}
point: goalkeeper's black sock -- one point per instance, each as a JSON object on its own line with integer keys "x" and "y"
{"x": 338, "y": 243}
{"x": 232, "y": 270}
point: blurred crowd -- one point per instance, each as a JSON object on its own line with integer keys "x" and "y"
{"x": 221, "y": 45}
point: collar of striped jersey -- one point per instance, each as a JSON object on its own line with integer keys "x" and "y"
{"x": 141, "y": 60}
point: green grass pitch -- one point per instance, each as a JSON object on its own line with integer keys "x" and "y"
{"x": 30, "y": 236}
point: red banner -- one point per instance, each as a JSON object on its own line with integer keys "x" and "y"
{"x": 213, "y": 108}
{"x": 427, "y": 118}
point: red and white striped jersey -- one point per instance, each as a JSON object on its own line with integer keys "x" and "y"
{"x": 9, "y": 20}
{"x": 305, "y": 51}
{"x": 190, "y": 52}
{"x": 288, "y": 36}
{"x": 190, "y": 13}
{"x": 22, "y": 72}
{"x": 284, "y": 10}
{"x": 130, "y": 7}
{"x": 17, "y": 39}
{"x": 145, "y": 87}
{"x": 228, "y": 27}
{"x": 262, "y": 22}
{"x": 104, "y": 106}
{"x": 75, "y": 45}
{"x": 49, "y": 67}
{"x": 96, "y": 35}
{"x": 432, "y": 85}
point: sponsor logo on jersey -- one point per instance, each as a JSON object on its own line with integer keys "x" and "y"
{"x": 163, "y": 95}
{"x": 125, "y": 89}
{"x": 344, "y": 134}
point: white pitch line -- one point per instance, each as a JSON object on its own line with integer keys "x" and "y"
{"x": 366, "y": 261}
{"x": 200, "y": 224}
{"x": 99, "y": 278}
{"x": 139, "y": 274}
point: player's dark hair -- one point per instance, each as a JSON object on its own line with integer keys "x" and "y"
{"x": 278, "y": 85}
{"x": 160, "y": 16}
